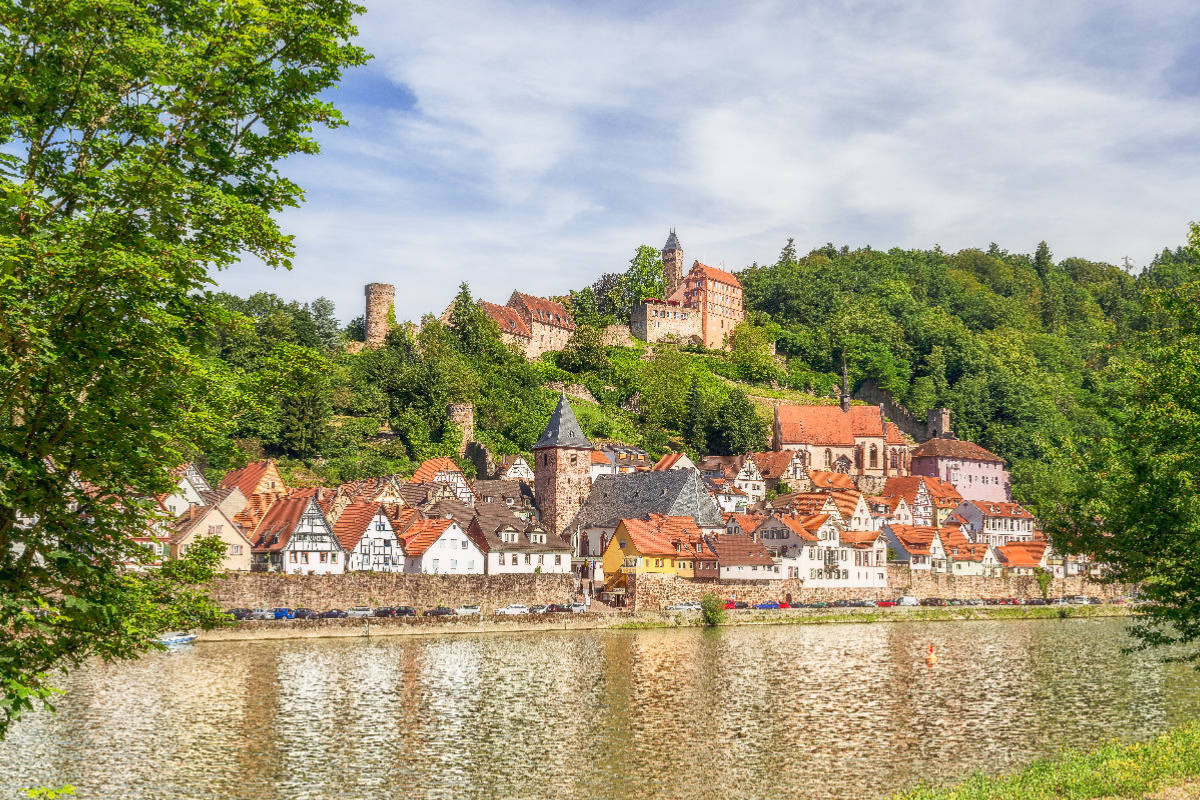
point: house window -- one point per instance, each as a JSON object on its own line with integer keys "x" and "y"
{"x": 454, "y": 563}
{"x": 304, "y": 558}
{"x": 514, "y": 559}
{"x": 333, "y": 558}
{"x": 379, "y": 526}
{"x": 214, "y": 530}
{"x": 464, "y": 544}
{"x": 292, "y": 557}
{"x": 435, "y": 565}
{"x": 528, "y": 559}
{"x": 235, "y": 549}
{"x": 558, "y": 559}
{"x": 324, "y": 558}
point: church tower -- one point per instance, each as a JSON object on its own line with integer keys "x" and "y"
{"x": 672, "y": 260}
{"x": 562, "y": 469}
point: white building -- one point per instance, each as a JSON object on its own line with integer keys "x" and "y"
{"x": 441, "y": 547}
{"x": 296, "y": 537}
{"x": 189, "y": 488}
{"x": 997, "y": 523}
{"x": 366, "y": 534}
{"x": 915, "y": 545}
{"x": 742, "y": 558}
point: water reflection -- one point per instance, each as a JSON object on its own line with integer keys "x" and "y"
{"x": 805, "y": 711}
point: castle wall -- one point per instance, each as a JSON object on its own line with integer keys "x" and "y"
{"x": 379, "y": 298}
{"x": 654, "y": 321}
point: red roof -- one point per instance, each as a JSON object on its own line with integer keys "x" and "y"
{"x": 429, "y": 469}
{"x": 714, "y": 274}
{"x": 422, "y": 533}
{"x": 736, "y": 550}
{"x": 829, "y": 426}
{"x": 747, "y": 522}
{"x": 545, "y": 311}
{"x": 859, "y": 539}
{"x": 830, "y": 480}
{"x": 668, "y": 461}
{"x": 276, "y": 528}
{"x": 599, "y": 458}
{"x": 248, "y": 478}
{"x": 724, "y": 486}
{"x": 1021, "y": 554}
{"x": 847, "y": 502}
{"x": 353, "y": 522}
{"x": 660, "y": 535}
{"x": 914, "y": 538}
{"x": 773, "y": 463}
{"x": 955, "y": 448}
{"x": 1010, "y": 510}
{"x": 804, "y": 527}
{"x": 507, "y": 318}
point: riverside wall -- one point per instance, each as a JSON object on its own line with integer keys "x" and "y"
{"x": 653, "y": 591}
{"x": 322, "y": 592}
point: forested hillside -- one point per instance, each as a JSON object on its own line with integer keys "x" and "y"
{"x": 1012, "y": 343}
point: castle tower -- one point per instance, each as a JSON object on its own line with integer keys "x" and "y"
{"x": 463, "y": 416}
{"x": 562, "y": 469}
{"x": 379, "y": 301}
{"x": 672, "y": 259}
{"x": 937, "y": 424}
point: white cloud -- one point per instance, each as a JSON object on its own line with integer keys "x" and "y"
{"x": 548, "y": 140}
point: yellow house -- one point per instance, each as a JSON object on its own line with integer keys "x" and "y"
{"x": 659, "y": 544}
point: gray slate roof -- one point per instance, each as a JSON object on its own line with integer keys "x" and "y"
{"x": 633, "y": 495}
{"x": 672, "y": 242}
{"x": 563, "y": 429}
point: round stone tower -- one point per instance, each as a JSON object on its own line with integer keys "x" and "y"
{"x": 379, "y": 300}
{"x": 463, "y": 415}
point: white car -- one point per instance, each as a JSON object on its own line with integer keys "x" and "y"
{"x": 689, "y": 606}
{"x": 359, "y": 612}
{"x": 578, "y": 608}
{"x": 514, "y": 608}
{"x": 467, "y": 611}
{"x": 907, "y": 600}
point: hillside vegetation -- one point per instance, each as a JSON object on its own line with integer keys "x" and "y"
{"x": 1014, "y": 344}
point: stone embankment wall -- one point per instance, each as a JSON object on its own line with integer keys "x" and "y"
{"x": 323, "y": 592}
{"x": 618, "y": 336}
{"x": 651, "y": 591}
{"x": 576, "y": 390}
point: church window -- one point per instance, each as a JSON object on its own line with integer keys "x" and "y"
{"x": 828, "y": 458}
{"x": 874, "y": 456}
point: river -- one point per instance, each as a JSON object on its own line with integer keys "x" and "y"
{"x": 804, "y": 711}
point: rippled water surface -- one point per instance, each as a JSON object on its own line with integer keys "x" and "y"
{"x": 837, "y": 711}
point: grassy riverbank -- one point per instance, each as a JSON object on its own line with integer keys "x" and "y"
{"x": 855, "y": 615}
{"x": 1165, "y": 768}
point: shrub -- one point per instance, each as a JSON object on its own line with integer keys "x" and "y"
{"x": 712, "y": 609}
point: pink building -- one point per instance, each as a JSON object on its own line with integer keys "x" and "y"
{"x": 976, "y": 473}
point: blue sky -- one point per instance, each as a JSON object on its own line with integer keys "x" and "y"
{"x": 535, "y": 145}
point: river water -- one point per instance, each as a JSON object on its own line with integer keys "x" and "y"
{"x": 821, "y": 711}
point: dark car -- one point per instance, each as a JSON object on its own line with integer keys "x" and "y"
{"x": 404, "y": 611}
{"x": 1035, "y": 601}
{"x": 385, "y": 611}
{"x": 238, "y": 613}
{"x": 333, "y": 613}
{"x": 284, "y": 613}
{"x": 1095, "y": 601}
{"x": 933, "y": 601}
{"x": 559, "y": 608}
{"x": 440, "y": 611}
{"x": 305, "y": 613}
{"x": 818, "y": 604}
{"x": 765, "y": 606}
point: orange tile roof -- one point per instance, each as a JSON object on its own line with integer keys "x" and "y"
{"x": 830, "y": 480}
{"x": 859, "y": 539}
{"x": 915, "y": 538}
{"x": 801, "y": 502}
{"x": 402, "y": 517}
{"x": 599, "y": 458}
{"x": 747, "y": 522}
{"x": 353, "y": 522}
{"x": 1010, "y": 510}
{"x": 1023, "y": 555}
{"x": 249, "y": 477}
{"x": 943, "y": 493}
{"x": 847, "y": 502}
{"x": 507, "y": 318}
{"x": 724, "y": 486}
{"x": 667, "y": 462}
{"x": 823, "y": 426}
{"x": 422, "y": 533}
{"x": 429, "y": 469}
{"x": 804, "y": 527}
{"x": 736, "y": 550}
{"x": 546, "y": 311}
{"x": 773, "y": 463}
{"x": 718, "y": 275}
{"x": 952, "y": 538}
{"x": 276, "y": 528}
{"x": 955, "y": 448}
{"x": 658, "y": 534}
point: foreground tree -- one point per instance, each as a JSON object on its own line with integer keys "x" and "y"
{"x": 139, "y": 145}
{"x": 1136, "y": 503}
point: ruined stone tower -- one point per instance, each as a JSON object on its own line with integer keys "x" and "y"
{"x": 937, "y": 424}
{"x": 379, "y": 300}
{"x": 672, "y": 259}
{"x": 462, "y": 415}
{"x": 562, "y": 469}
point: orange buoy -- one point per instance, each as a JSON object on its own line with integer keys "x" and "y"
{"x": 930, "y": 657}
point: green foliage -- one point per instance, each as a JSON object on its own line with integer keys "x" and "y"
{"x": 585, "y": 352}
{"x": 1135, "y": 503}
{"x": 615, "y": 295}
{"x": 140, "y": 146}
{"x": 737, "y": 428}
{"x": 1113, "y": 770}
{"x": 750, "y": 352}
{"x": 712, "y": 609}
{"x": 1044, "y": 578}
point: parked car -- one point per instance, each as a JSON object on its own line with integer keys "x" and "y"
{"x": 728, "y": 605}
{"x": 973, "y": 602}
{"x": 440, "y": 611}
{"x": 679, "y": 607}
{"x": 840, "y": 604}
{"x": 283, "y": 613}
{"x": 385, "y": 611}
{"x": 305, "y": 613}
{"x": 404, "y": 611}
{"x": 579, "y": 608}
{"x": 765, "y": 606}
{"x": 1036, "y": 601}
{"x": 817, "y": 604}
{"x": 933, "y": 601}
{"x": 539, "y": 609}
{"x": 866, "y": 603}
{"x": 558, "y": 608}
{"x": 1095, "y": 601}
{"x": 885, "y": 603}
{"x": 1078, "y": 600}
{"x": 239, "y": 613}
{"x": 358, "y": 612}
{"x": 907, "y": 600}
{"x": 333, "y": 613}
{"x": 1118, "y": 601}
{"x": 1060, "y": 601}
{"x": 467, "y": 611}
{"x": 513, "y": 609}
{"x": 782, "y": 604}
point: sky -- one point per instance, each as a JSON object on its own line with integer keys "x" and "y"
{"x": 534, "y": 146}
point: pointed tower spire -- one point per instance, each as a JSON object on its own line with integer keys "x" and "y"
{"x": 563, "y": 429}
{"x": 845, "y": 385}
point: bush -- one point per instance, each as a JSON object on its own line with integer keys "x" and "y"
{"x": 712, "y": 609}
